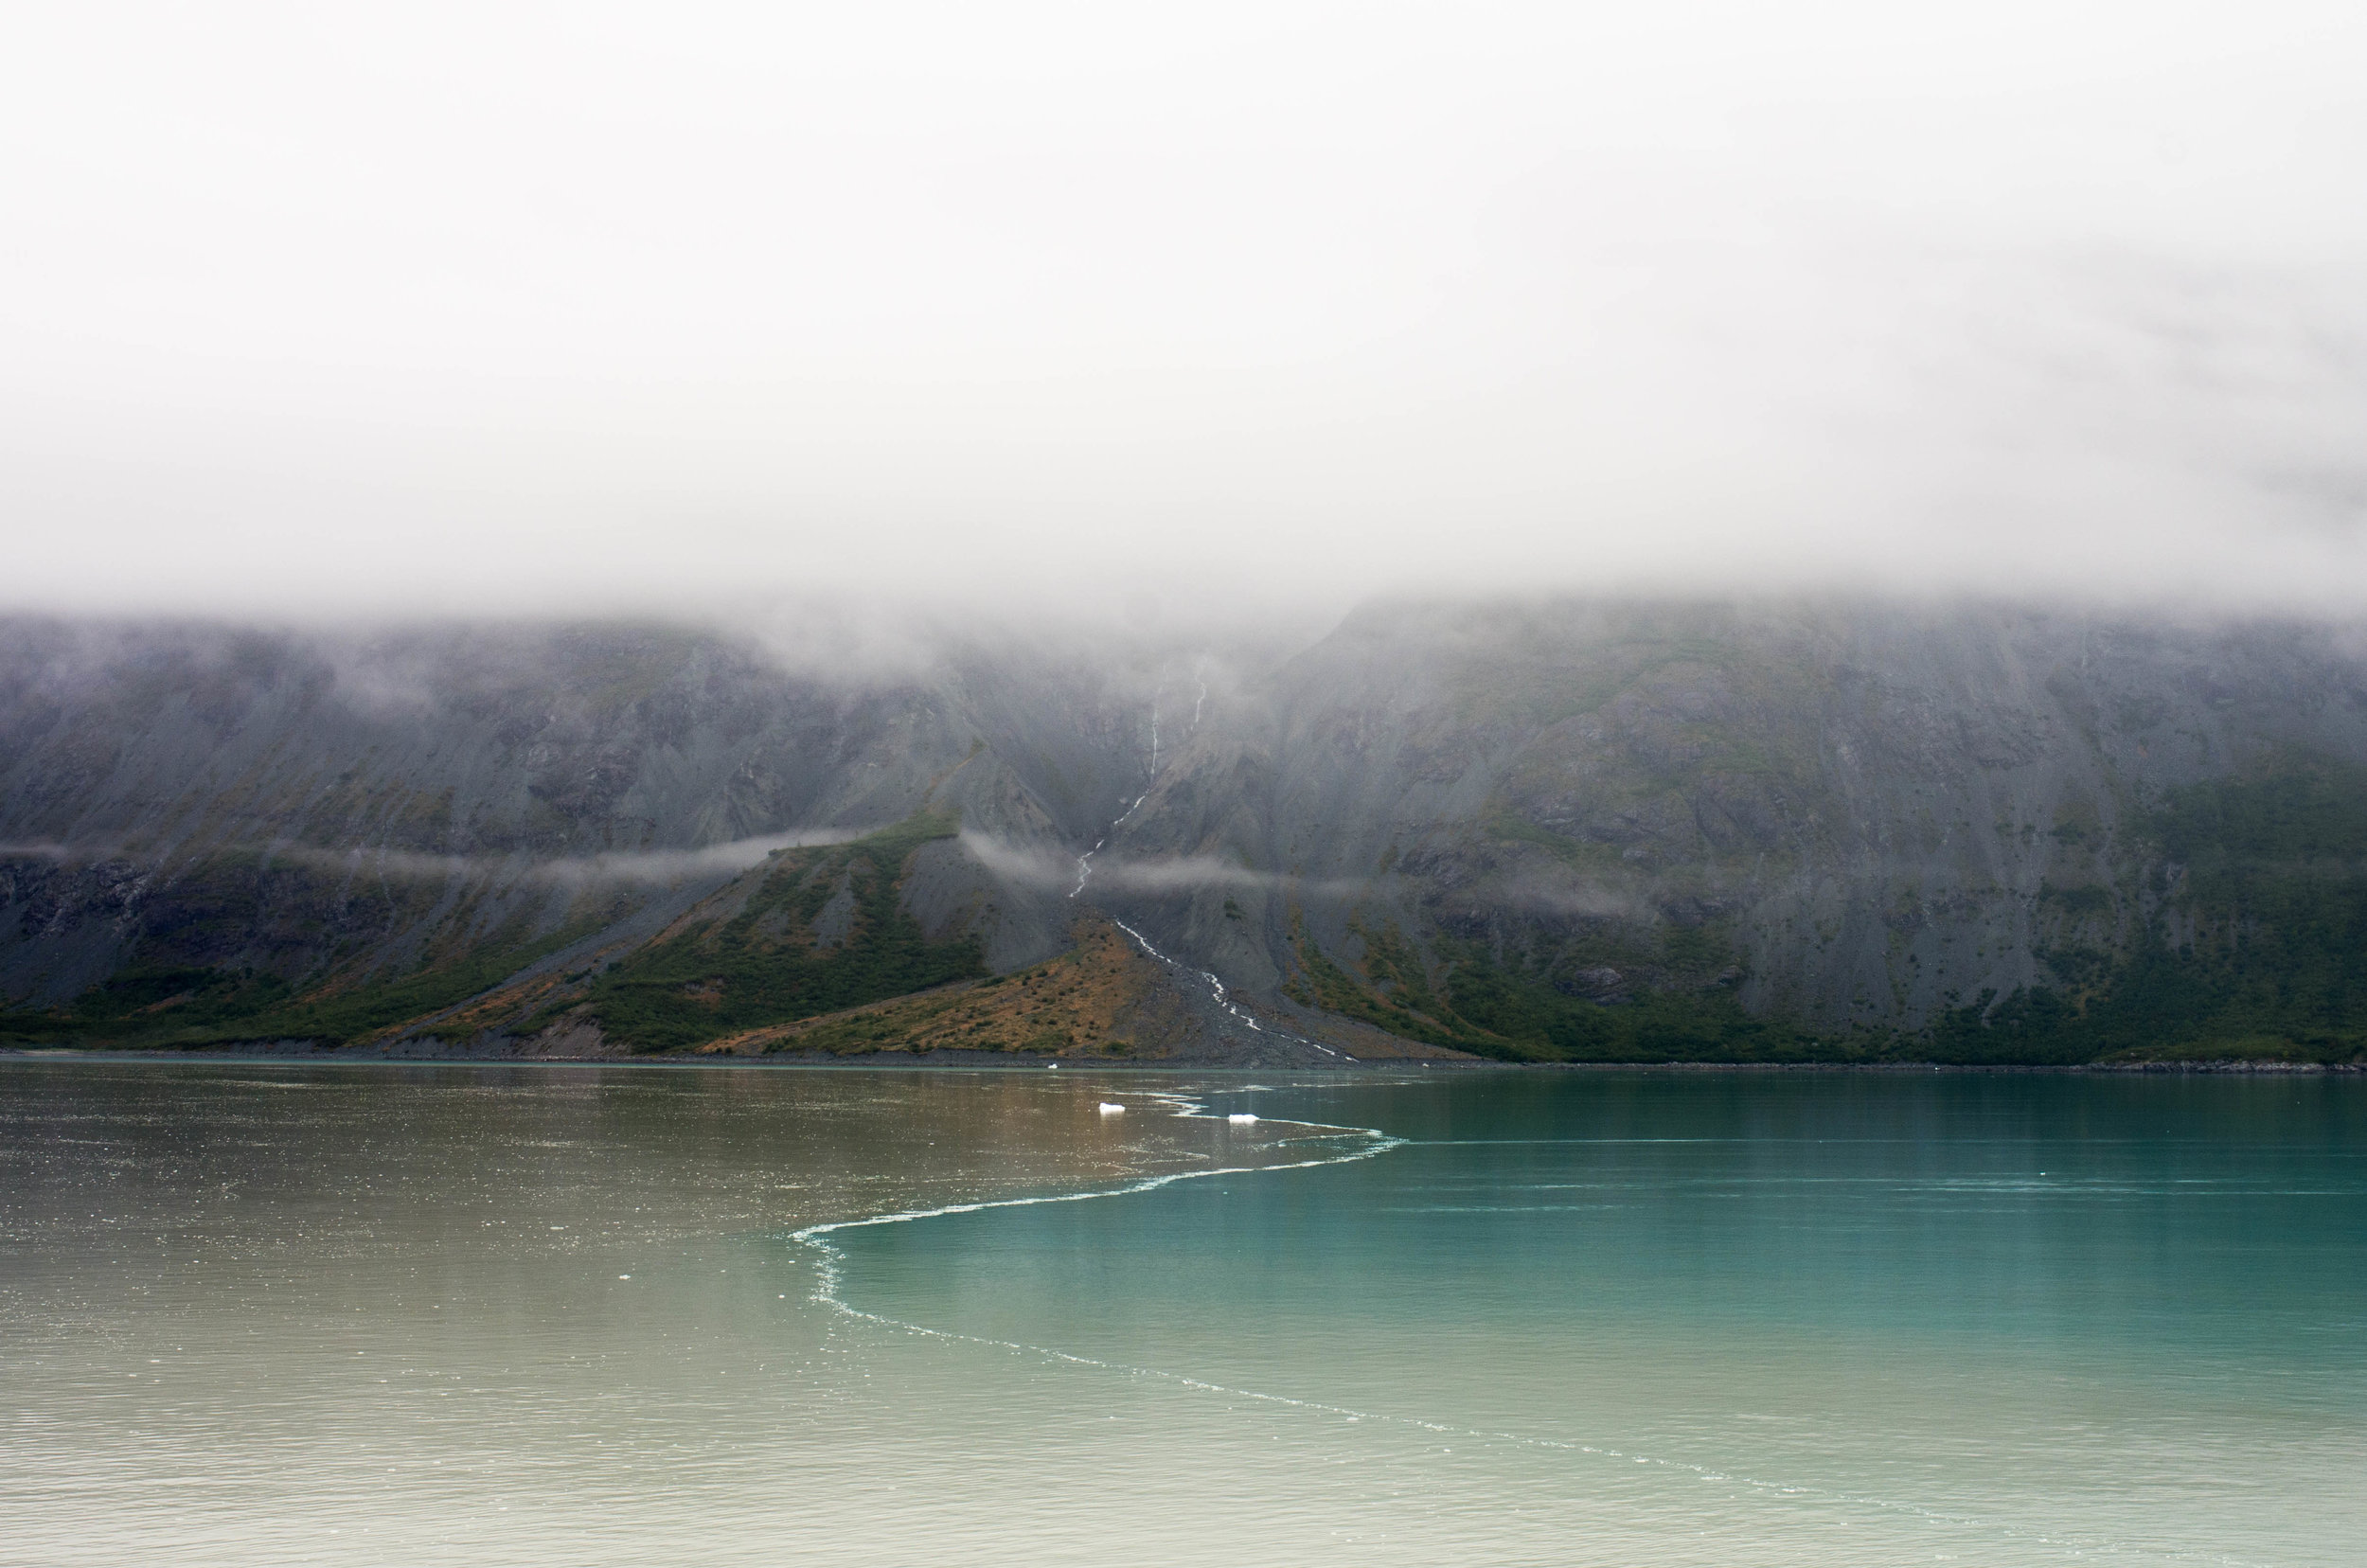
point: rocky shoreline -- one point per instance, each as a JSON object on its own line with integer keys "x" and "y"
{"x": 416, "y": 1052}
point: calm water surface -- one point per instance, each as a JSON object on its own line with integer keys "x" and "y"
{"x": 264, "y": 1315}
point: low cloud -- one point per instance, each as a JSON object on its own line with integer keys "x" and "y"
{"x": 1021, "y": 863}
{"x": 2014, "y": 298}
{"x": 640, "y": 866}
{"x": 1033, "y": 866}
{"x": 1565, "y": 899}
{"x": 648, "y": 867}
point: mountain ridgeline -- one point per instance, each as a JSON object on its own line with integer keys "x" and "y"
{"x": 1580, "y": 830}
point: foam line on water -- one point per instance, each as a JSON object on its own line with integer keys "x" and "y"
{"x": 829, "y": 1277}
{"x": 1184, "y": 1107}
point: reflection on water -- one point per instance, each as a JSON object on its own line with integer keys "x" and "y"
{"x": 263, "y": 1314}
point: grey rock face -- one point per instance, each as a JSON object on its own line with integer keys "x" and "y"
{"x": 1844, "y": 814}
{"x": 1870, "y": 813}
{"x": 212, "y": 797}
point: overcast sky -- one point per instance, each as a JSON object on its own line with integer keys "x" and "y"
{"x": 427, "y": 307}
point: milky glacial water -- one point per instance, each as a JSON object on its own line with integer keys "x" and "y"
{"x": 277, "y": 1313}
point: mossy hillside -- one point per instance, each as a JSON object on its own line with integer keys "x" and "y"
{"x": 1089, "y": 1002}
{"x": 1378, "y": 996}
{"x": 768, "y": 963}
{"x": 2254, "y": 945}
{"x": 245, "y": 945}
{"x": 153, "y": 1005}
{"x": 1518, "y": 1004}
{"x": 186, "y": 1008}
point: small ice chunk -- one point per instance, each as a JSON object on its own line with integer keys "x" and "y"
{"x": 1111, "y": 1108}
{"x": 1241, "y": 1116}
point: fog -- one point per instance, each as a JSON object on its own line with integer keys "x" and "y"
{"x": 530, "y": 309}
{"x": 657, "y": 867}
{"x": 1050, "y": 871}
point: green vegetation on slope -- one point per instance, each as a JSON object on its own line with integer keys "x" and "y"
{"x": 1511, "y": 1009}
{"x": 1519, "y": 1002}
{"x": 781, "y": 956}
{"x": 2257, "y": 948}
{"x": 191, "y": 1007}
{"x": 2253, "y": 946}
{"x": 766, "y": 963}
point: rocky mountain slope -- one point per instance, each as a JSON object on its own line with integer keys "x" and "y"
{"x": 1580, "y": 829}
{"x": 1685, "y": 831}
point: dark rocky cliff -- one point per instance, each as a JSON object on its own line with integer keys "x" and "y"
{"x": 1581, "y": 830}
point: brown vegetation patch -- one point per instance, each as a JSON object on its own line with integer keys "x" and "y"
{"x": 1087, "y": 1002}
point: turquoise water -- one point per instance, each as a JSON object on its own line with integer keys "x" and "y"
{"x": 264, "y": 1315}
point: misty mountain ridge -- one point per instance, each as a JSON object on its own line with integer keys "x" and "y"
{"x": 1577, "y": 829}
